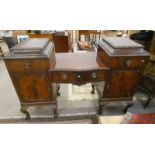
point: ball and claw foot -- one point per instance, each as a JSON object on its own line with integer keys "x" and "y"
{"x": 58, "y": 93}
{"x": 126, "y": 107}
{"x": 55, "y": 114}
{"x": 100, "y": 110}
{"x": 27, "y": 115}
{"x": 93, "y": 89}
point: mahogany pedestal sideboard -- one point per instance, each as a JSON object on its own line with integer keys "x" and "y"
{"x": 126, "y": 60}
{"x": 36, "y": 70}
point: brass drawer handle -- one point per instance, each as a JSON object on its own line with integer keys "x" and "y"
{"x": 94, "y": 75}
{"x": 27, "y": 65}
{"x": 143, "y": 61}
{"x": 78, "y": 76}
{"x": 128, "y": 62}
{"x": 64, "y": 76}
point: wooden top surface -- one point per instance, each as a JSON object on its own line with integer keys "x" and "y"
{"x": 121, "y": 42}
{"x": 36, "y": 44}
{"x": 78, "y": 61}
{"x": 120, "y": 46}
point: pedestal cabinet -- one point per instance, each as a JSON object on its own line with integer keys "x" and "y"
{"x": 126, "y": 60}
{"x": 28, "y": 64}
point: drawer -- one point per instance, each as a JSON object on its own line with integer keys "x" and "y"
{"x": 124, "y": 61}
{"x": 22, "y": 66}
{"x": 129, "y": 62}
{"x": 77, "y": 76}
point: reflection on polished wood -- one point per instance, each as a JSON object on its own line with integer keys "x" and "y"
{"x": 78, "y": 61}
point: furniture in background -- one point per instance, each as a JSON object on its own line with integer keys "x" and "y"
{"x": 152, "y": 50}
{"x": 147, "y": 83}
{"x": 21, "y": 38}
{"x": 4, "y": 48}
{"x": 48, "y": 35}
{"x": 126, "y": 60}
{"x": 143, "y": 37}
{"x": 28, "y": 64}
{"x": 84, "y": 33}
{"x": 1, "y": 53}
{"x": 146, "y": 87}
{"x": 88, "y": 39}
{"x": 62, "y": 41}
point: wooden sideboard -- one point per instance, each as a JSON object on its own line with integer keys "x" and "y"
{"x": 36, "y": 70}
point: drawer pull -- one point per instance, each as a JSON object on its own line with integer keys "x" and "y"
{"x": 94, "y": 75}
{"x": 64, "y": 76}
{"x": 128, "y": 62}
{"x": 27, "y": 65}
{"x": 79, "y": 76}
{"x": 143, "y": 61}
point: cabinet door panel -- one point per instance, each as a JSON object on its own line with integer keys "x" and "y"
{"x": 122, "y": 84}
{"x": 34, "y": 87}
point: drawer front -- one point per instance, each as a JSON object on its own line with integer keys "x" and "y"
{"x": 77, "y": 76}
{"x": 23, "y": 66}
{"x": 123, "y": 62}
{"x": 128, "y": 62}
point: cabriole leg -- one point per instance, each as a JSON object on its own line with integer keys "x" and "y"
{"x": 93, "y": 88}
{"x": 58, "y": 93}
{"x": 99, "y": 107}
{"x": 24, "y": 110}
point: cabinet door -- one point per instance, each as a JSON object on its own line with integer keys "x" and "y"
{"x": 33, "y": 87}
{"x": 122, "y": 84}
